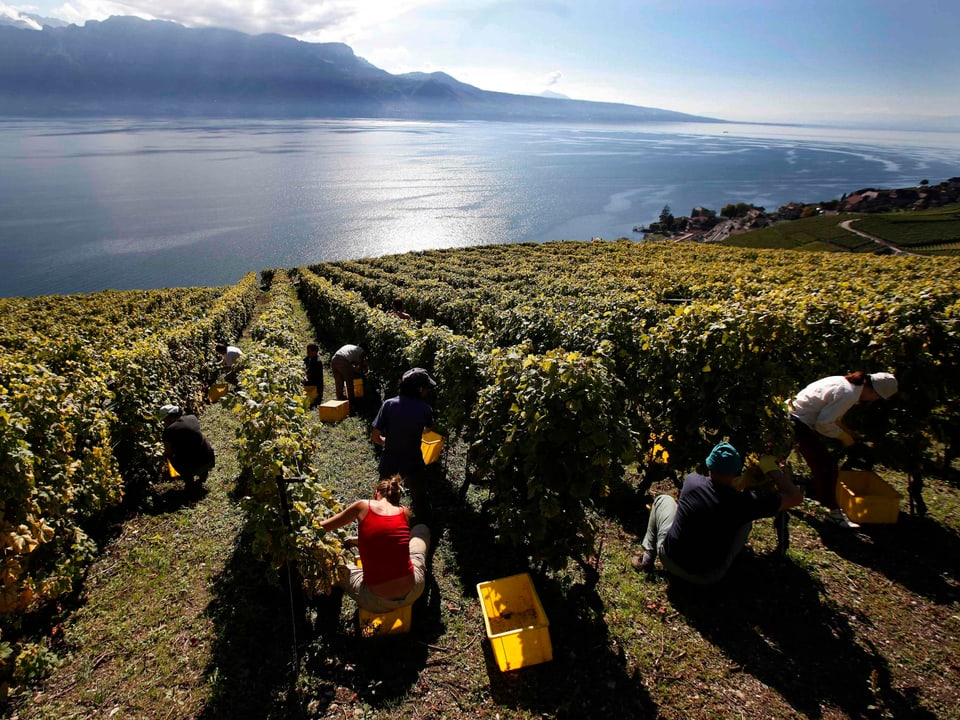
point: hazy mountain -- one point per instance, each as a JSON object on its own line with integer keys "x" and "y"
{"x": 129, "y": 66}
{"x": 554, "y": 95}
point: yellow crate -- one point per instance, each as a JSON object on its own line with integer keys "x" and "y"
{"x": 866, "y": 497}
{"x": 311, "y": 391}
{"x": 358, "y": 387}
{"x": 516, "y": 624}
{"x": 217, "y": 391}
{"x": 173, "y": 470}
{"x": 334, "y": 410}
{"x": 395, "y": 622}
{"x": 430, "y": 445}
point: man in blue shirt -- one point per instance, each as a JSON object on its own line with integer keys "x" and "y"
{"x": 698, "y": 537}
{"x": 399, "y": 427}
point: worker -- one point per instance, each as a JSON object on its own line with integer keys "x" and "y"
{"x": 698, "y": 537}
{"x": 817, "y": 413}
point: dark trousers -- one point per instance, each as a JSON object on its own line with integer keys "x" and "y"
{"x": 823, "y": 466}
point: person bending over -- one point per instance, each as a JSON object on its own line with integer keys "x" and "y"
{"x": 817, "y": 413}
{"x": 347, "y": 363}
{"x": 230, "y": 354}
{"x": 185, "y": 447}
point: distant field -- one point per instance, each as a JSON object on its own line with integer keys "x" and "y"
{"x": 814, "y": 233}
{"x": 934, "y": 232}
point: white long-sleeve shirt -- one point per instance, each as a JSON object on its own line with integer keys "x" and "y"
{"x": 231, "y": 356}
{"x": 821, "y": 405}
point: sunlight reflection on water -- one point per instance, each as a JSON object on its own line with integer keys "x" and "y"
{"x": 90, "y": 204}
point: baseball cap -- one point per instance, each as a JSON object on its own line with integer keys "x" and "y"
{"x": 165, "y": 410}
{"x": 417, "y": 377}
{"x": 884, "y": 383}
{"x": 725, "y": 459}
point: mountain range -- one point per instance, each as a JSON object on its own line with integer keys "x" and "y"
{"x": 130, "y": 66}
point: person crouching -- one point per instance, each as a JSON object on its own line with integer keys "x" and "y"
{"x": 393, "y": 556}
{"x": 185, "y": 447}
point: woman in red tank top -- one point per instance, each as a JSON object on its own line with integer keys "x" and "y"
{"x": 392, "y": 553}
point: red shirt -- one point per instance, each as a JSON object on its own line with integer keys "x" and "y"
{"x": 384, "y": 547}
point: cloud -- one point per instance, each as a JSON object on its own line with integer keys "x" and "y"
{"x": 17, "y": 15}
{"x": 314, "y": 20}
{"x": 551, "y": 79}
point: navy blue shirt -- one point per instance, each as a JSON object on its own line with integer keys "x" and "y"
{"x": 709, "y": 515}
{"x": 401, "y": 421}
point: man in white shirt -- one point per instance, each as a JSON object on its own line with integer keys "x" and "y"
{"x": 231, "y": 354}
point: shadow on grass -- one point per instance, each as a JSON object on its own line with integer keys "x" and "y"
{"x": 627, "y": 504}
{"x": 163, "y": 497}
{"x": 378, "y": 671}
{"x": 916, "y": 552}
{"x": 769, "y": 617}
{"x": 252, "y": 665}
{"x": 587, "y": 678}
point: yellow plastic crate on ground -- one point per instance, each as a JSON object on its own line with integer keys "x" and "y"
{"x": 334, "y": 410}
{"x": 516, "y": 624}
{"x": 431, "y": 444}
{"x": 395, "y": 622}
{"x": 866, "y": 497}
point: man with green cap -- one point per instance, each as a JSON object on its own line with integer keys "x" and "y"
{"x": 698, "y": 537}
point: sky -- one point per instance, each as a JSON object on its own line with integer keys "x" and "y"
{"x": 876, "y": 63}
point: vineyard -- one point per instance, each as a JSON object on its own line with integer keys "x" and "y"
{"x": 572, "y": 378}
{"x": 934, "y": 231}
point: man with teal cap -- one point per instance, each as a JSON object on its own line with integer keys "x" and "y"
{"x": 697, "y": 537}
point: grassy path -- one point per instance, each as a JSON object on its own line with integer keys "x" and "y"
{"x": 145, "y": 621}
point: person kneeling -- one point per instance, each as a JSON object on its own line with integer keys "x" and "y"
{"x": 185, "y": 447}
{"x": 698, "y": 537}
{"x": 392, "y": 554}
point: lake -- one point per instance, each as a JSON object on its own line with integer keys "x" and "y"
{"x": 116, "y": 203}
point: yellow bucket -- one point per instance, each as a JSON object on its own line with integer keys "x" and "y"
{"x": 217, "y": 391}
{"x": 394, "y": 622}
{"x": 334, "y": 410}
{"x": 431, "y": 444}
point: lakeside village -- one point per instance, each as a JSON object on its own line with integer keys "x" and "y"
{"x": 704, "y": 225}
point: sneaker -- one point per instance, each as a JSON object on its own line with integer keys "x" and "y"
{"x": 836, "y": 517}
